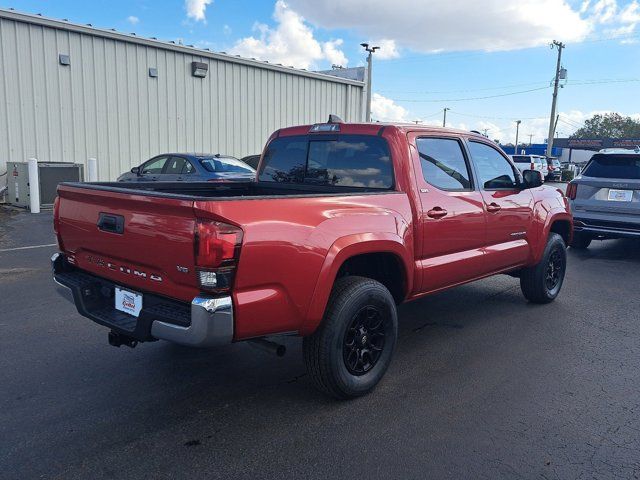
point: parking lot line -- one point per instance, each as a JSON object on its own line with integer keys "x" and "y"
{"x": 27, "y": 248}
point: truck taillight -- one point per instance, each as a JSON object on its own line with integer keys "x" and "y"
{"x": 56, "y": 222}
{"x": 572, "y": 190}
{"x": 217, "y": 248}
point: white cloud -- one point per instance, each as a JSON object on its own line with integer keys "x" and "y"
{"x": 445, "y": 25}
{"x": 386, "y": 110}
{"x": 196, "y": 9}
{"x": 333, "y": 54}
{"x": 388, "y": 48}
{"x": 133, "y": 20}
{"x": 290, "y": 42}
{"x": 226, "y": 29}
{"x": 617, "y": 21}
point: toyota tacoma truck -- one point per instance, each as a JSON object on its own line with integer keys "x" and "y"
{"x": 343, "y": 223}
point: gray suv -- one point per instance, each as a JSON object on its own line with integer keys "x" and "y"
{"x": 605, "y": 199}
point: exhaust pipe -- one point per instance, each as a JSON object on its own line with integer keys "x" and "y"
{"x": 268, "y": 346}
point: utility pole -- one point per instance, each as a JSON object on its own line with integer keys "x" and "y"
{"x": 530, "y": 137}
{"x": 515, "y": 150}
{"x": 556, "y": 81}
{"x": 371, "y": 50}
{"x": 444, "y": 119}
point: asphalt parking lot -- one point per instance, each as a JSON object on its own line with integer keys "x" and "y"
{"x": 483, "y": 385}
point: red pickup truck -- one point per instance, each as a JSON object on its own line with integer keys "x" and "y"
{"x": 344, "y": 222}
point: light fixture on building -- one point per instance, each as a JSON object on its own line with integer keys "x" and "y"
{"x": 64, "y": 59}
{"x": 153, "y": 72}
{"x": 199, "y": 69}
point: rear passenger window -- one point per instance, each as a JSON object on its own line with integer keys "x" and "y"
{"x": 494, "y": 171}
{"x": 174, "y": 166}
{"x": 443, "y": 163}
{"x": 361, "y": 161}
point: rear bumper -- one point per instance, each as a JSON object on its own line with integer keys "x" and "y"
{"x": 206, "y": 322}
{"x": 606, "y": 228}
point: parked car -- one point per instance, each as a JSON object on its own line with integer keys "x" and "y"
{"x": 605, "y": 198}
{"x": 185, "y": 167}
{"x": 554, "y": 170}
{"x": 532, "y": 162}
{"x": 345, "y": 222}
{"x": 252, "y": 161}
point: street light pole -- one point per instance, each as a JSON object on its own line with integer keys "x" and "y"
{"x": 556, "y": 81}
{"x": 444, "y": 118}
{"x": 371, "y": 50}
{"x": 518, "y": 122}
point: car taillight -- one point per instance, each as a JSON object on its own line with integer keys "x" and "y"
{"x": 533, "y": 166}
{"x": 572, "y": 190}
{"x": 56, "y": 222}
{"x": 217, "y": 249}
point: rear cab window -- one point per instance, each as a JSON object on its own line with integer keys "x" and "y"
{"x": 444, "y": 164}
{"x": 613, "y": 166}
{"x": 354, "y": 161}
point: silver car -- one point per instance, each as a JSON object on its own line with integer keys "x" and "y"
{"x": 605, "y": 198}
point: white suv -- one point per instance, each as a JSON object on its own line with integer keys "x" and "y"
{"x": 532, "y": 162}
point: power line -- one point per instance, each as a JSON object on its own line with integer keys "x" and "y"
{"x": 471, "y": 98}
{"x": 488, "y": 117}
{"x": 595, "y": 81}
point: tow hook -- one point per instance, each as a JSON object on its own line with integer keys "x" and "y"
{"x": 117, "y": 339}
{"x": 267, "y": 346}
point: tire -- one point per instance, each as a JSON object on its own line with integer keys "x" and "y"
{"x": 542, "y": 282}
{"x": 581, "y": 240}
{"x": 352, "y": 348}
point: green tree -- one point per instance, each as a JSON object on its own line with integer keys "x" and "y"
{"x": 609, "y": 125}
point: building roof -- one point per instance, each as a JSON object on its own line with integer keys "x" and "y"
{"x": 89, "y": 29}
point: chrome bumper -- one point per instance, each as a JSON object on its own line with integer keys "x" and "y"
{"x": 211, "y": 318}
{"x": 211, "y": 324}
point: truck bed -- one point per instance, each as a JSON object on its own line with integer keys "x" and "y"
{"x": 220, "y": 191}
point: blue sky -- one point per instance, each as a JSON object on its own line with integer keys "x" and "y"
{"x": 436, "y": 54}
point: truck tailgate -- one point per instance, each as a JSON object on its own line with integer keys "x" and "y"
{"x": 141, "y": 242}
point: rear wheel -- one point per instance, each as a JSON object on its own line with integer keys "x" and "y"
{"x": 581, "y": 240}
{"x": 351, "y": 350}
{"x": 542, "y": 282}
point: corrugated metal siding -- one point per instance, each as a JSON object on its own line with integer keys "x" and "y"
{"x": 105, "y": 105}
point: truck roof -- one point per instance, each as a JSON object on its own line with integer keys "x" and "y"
{"x": 375, "y": 129}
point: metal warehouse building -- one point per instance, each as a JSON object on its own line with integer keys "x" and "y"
{"x": 71, "y": 92}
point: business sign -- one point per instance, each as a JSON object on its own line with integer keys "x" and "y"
{"x": 596, "y": 143}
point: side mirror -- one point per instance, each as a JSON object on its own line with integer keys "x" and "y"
{"x": 136, "y": 170}
{"x": 532, "y": 178}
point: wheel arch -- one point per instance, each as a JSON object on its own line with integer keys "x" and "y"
{"x": 560, "y": 222}
{"x": 382, "y": 257}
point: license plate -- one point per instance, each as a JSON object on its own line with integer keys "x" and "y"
{"x": 128, "y": 301}
{"x": 620, "y": 195}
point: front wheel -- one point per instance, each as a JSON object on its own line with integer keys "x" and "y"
{"x": 352, "y": 348}
{"x": 542, "y": 282}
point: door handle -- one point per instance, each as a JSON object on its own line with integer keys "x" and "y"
{"x": 493, "y": 207}
{"x": 437, "y": 212}
{"x": 111, "y": 223}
